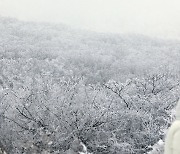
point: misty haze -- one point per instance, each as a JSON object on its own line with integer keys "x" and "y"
{"x": 88, "y": 77}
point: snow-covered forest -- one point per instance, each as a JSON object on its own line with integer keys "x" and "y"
{"x": 116, "y": 93}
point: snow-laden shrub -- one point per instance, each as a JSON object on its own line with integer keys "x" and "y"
{"x": 42, "y": 111}
{"x": 158, "y": 148}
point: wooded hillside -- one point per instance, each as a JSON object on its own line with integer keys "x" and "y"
{"x": 116, "y": 93}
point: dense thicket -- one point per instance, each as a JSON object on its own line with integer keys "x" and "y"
{"x": 115, "y": 92}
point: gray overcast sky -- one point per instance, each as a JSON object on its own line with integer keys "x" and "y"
{"x": 159, "y": 18}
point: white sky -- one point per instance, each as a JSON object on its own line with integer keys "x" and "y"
{"x": 159, "y": 18}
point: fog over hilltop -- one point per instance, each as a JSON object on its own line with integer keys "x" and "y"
{"x": 149, "y": 17}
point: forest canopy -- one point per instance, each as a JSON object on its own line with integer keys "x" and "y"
{"x": 98, "y": 56}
